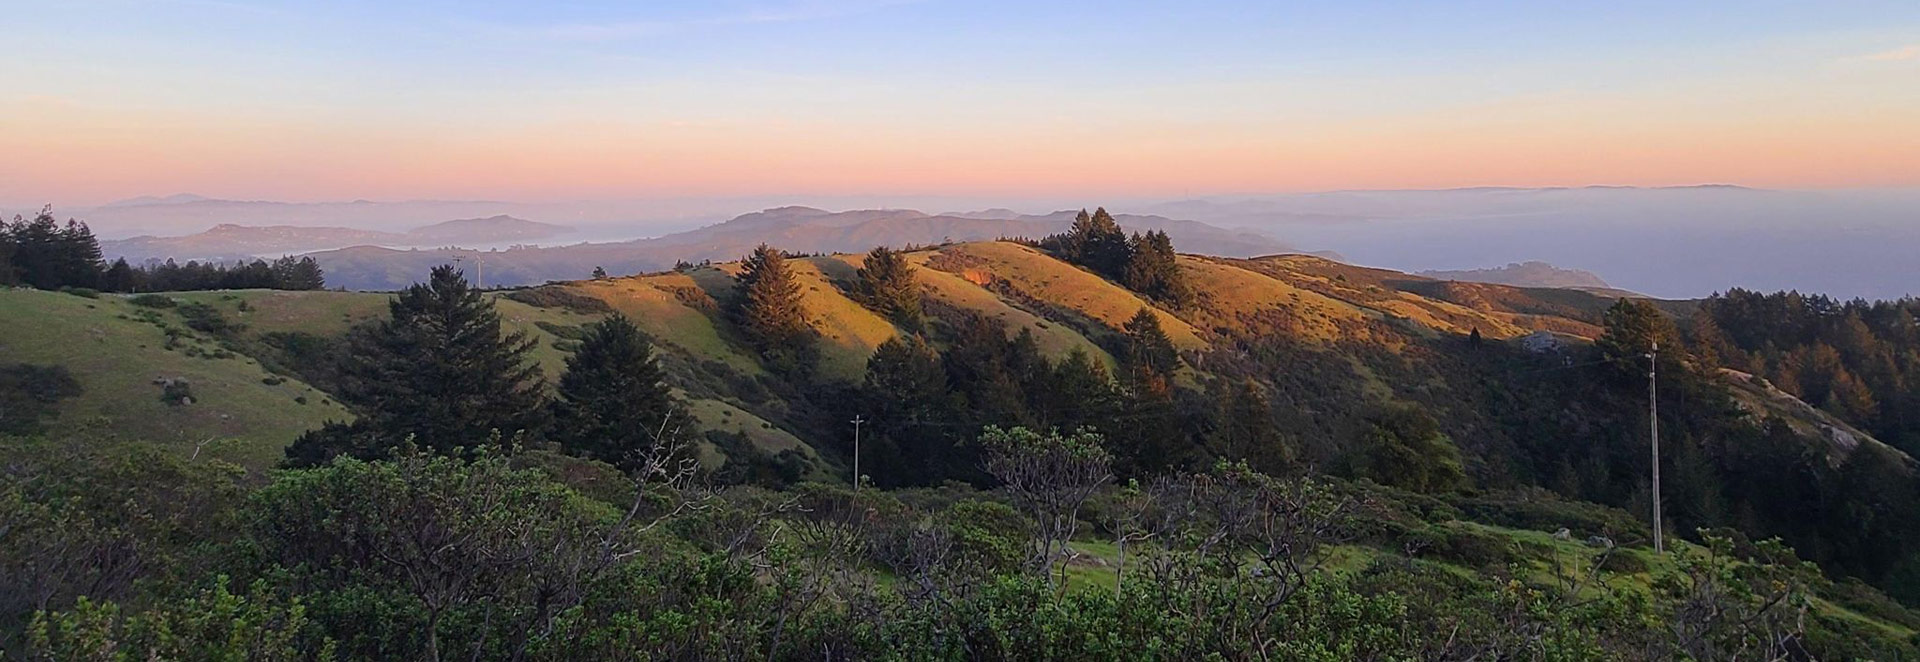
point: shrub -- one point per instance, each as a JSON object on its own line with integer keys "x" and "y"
{"x": 176, "y": 391}
{"x": 82, "y": 292}
{"x": 207, "y": 319}
{"x": 153, "y": 301}
{"x": 560, "y": 297}
{"x": 28, "y": 393}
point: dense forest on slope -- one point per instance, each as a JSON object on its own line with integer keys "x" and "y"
{"x": 1084, "y": 446}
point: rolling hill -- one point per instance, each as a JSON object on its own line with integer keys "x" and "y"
{"x": 794, "y": 229}
{"x": 1315, "y": 306}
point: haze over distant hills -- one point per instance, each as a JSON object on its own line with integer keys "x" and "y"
{"x": 1525, "y": 274}
{"x": 1670, "y": 242}
{"x": 229, "y": 241}
{"x": 794, "y": 228}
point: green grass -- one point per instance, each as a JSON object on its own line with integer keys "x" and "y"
{"x": 116, "y": 356}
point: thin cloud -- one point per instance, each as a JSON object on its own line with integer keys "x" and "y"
{"x": 790, "y": 13}
{"x": 1901, "y": 54}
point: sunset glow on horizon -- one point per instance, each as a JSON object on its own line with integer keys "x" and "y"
{"x": 327, "y": 101}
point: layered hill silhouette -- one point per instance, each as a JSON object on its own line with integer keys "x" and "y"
{"x": 795, "y": 229}
{"x": 1524, "y": 274}
{"x": 229, "y": 241}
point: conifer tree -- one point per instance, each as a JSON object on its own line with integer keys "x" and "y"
{"x": 1247, "y": 432}
{"x": 910, "y": 406}
{"x": 613, "y": 403}
{"x": 888, "y": 285}
{"x": 979, "y": 368}
{"x": 438, "y": 369}
{"x": 120, "y": 277}
{"x": 48, "y": 256}
{"x": 8, "y": 274}
{"x": 1150, "y": 355}
{"x": 768, "y": 309}
{"x": 1079, "y": 393}
{"x": 1153, "y": 269}
{"x": 301, "y": 274}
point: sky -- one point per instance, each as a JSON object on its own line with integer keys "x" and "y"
{"x": 579, "y": 100}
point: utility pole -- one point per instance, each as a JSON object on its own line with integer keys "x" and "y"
{"x": 857, "y": 420}
{"x": 1653, "y": 428}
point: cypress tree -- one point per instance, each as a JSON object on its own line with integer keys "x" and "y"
{"x": 613, "y": 403}
{"x": 439, "y": 369}
{"x": 768, "y": 309}
{"x": 887, "y": 284}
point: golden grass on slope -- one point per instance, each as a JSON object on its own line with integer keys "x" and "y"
{"x": 947, "y": 289}
{"x": 1040, "y": 277}
{"x": 242, "y": 413}
{"x": 652, "y": 305}
{"x": 1230, "y": 297}
{"x": 849, "y": 332}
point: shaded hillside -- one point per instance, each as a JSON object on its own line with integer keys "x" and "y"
{"x": 794, "y": 229}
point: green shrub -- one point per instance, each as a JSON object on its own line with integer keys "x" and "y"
{"x": 82, "y": 292}
{"x": 560, "y": 297}
{"x": 153, "y": 301}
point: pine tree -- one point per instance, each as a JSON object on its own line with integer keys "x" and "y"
{"x": 1106, "y": 244}
{"x": 979, "y": 367}
{"x": 439, "y": 369}
{"x": 8, "y": 274}
{"x": 911, "y": 407}
{"x": 1150, "y": 355}
{"x": 1632, "y": 326}
{"x": 1094, "y": 241}
{"x": 1079, "y": 393}
{"x": 1247, "y": 432}
{"x": 49, "y": 257}
{"x": 1153, "y": 269}
{"x": 613, "y": 403}
{"x": 1403, "y": 446}
{"x": 887, "y": 284}
{"x": 768, "y": 309}
{"x": 599, "y": 273}
{"x": 120, "y": 277}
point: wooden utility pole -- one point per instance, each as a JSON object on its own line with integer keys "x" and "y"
{"x": 857, "y": 420}
{"x": 1653, "y": 429}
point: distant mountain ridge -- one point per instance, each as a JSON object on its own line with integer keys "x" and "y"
{"x": 792, "y": 228}
{"x": 230, "y": 241}
{"x": 1532, "y": 273}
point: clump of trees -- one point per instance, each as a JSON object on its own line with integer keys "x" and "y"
{"x": 41, "y": 253}
{"x": 284, "y": 273}
{"x": 1144, "y": 263}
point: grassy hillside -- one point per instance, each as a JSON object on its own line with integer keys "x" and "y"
{"x": 116, "y": 351}
{"x": 1296, "y": 298}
